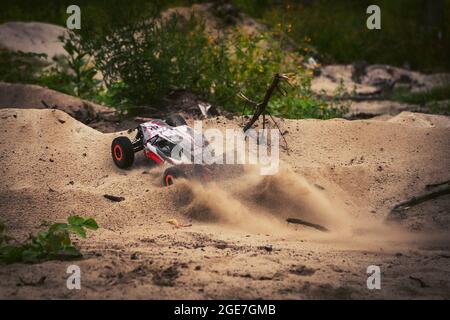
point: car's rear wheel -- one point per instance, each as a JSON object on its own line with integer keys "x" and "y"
{"x": 171, "y": 174}
{"x": 122, "y": 152}
{"x": 175, "y": 120}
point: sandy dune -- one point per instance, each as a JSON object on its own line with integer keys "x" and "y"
{"x": 374, "y": 79}
{"x": 27, "y": 96}
{"x": 34, "y": 37}
{"x": 345, "y": 175}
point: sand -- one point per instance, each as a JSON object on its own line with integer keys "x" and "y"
{"x": 26, "y": 96}
{"x": 32, "y": 37}
{"x": 345, "y": 175}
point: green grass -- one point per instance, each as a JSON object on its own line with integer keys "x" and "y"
{"x": 337, "y": 30}
{"x": 437, "y": 107}
{"x": 96, "y": 15}
{"x": 434, "y": 101}
{"x": 421, "y": 98}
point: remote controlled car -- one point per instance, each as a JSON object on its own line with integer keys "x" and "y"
{"x": 158, "y": 139}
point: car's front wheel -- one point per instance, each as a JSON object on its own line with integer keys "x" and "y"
{"x": 122, "y": 152}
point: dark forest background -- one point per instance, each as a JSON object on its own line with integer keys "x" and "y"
{"x": 415, "y": 33}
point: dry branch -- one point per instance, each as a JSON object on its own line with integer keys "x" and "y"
{"x": 434, "y": 191}
{"x": 113, "y": 198}
{"x": 260, "y": 108}
{"x": 308, "y": 224}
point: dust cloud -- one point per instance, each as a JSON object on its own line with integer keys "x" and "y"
{"x": 261, "y": 204}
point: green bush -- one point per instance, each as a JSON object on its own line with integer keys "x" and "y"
{"x": 248, "y": 66}
{"x": 74, "y": 73}
{"x": 143, "y": 62}
{"x": 434, "y": 94}
{"x": 53, "y": 244}
{"x": 251, "y": 63}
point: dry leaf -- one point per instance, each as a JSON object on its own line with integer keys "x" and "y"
{"x": 174, "y": 222}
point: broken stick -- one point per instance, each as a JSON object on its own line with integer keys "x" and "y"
{"x": 113, "y": 198}
{"x": 308, "y": 224}
{"x": 261, "y": 107}
{"x": 434, "y": 191}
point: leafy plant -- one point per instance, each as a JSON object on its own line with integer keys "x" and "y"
{"x": 254, "y": 59}
{"x": 249, "y": 65}
{"x": 141, "y": 63}
{"x": 53, "y": 244}
{"x": 74, "y": 73}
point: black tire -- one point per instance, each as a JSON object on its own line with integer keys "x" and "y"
{"x": 122, "y": 152}
{"x": 171, "y": 174}
{"x": 175, "y": 120}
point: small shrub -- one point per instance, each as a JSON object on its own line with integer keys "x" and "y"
{"x": 53, "y": 244}
{"x": 73, "y": 74}
{"x": 252, "y": 62}
{"x": 142, "y": 62}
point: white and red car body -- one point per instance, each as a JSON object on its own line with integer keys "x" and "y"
{"x": 159, "y": 140}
